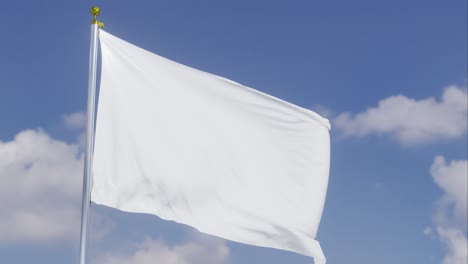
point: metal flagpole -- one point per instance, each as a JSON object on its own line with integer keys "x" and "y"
{"x": 88, "y": 159}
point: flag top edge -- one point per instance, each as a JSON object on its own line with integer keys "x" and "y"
{"x": 322, "y": 120}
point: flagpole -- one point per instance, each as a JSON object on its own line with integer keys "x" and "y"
{"x": 88, "y": 159}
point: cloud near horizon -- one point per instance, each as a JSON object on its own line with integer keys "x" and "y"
{"x": 411, "y": 121}
{"x": 212, "y": 251}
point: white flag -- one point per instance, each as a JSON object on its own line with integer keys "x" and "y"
{"x": 207, "y": 152}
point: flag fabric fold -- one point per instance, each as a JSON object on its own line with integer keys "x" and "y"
{"x": 204, "y": 151}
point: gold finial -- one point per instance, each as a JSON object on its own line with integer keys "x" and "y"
{"x": 96, "y": 11}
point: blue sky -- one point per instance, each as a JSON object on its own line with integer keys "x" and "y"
{"x": 391, "y": 76}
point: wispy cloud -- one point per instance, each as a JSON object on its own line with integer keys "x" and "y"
{"x": 75, "y": 120}
{"x": 150, "y": 251}
{"x": 411, "y": 121}
{"x": 450, "y": 216}
{"x": 323, "y": 110}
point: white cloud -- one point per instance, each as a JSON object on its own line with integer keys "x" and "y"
{"x": 453, "y": 180}
{"x": 456, "y": 243}
{"x": 450, "y": 216}
{"x": 40, "y": 194}
{"x": 150, "y": 252}
{"x": 411, "y": 121}
{"x": 75, "y": 120}
{"x": 40, "y": 188}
